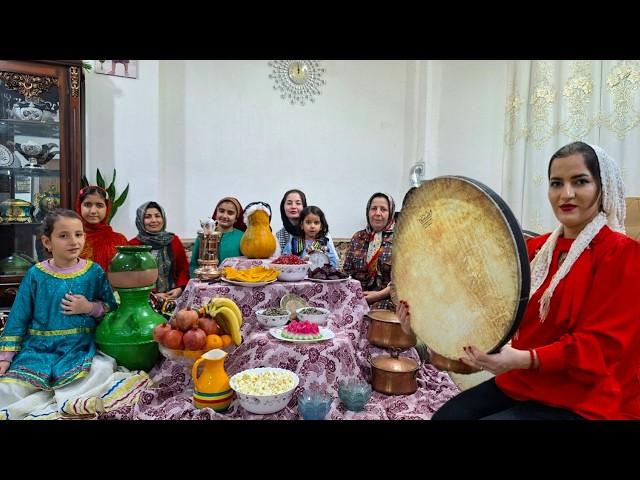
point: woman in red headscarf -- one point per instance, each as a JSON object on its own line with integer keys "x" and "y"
{"x": 368, "y": 257}
{"x": 93, "y": 205}
{"x": 229, "y": 214}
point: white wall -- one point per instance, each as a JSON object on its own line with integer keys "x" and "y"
{"x": 187, "y": 133}
{"x": 470, "y": 119}
{"x": 122, "y": 131}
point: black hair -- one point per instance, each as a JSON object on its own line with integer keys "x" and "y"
{"x": 50, "y": 219}
{"x": 313, "y": 210}
{"x": 154, "y": 205}
{"x": 86, "y": 191}
{"x": 589, "y": 155}
{"x": 286, "y": 223}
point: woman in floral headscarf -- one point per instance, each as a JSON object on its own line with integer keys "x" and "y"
{"x": 229, "y": 214}
{"x": 166, "y": 247}
{"x": 368, "y": 257}
{"x": 93, "y": 205}
{"x": 576, "y": 354}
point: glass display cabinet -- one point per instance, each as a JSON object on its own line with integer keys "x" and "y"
{"x": 41, "y": 157}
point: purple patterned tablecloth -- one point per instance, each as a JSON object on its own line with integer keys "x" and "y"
{"x": 319, "y": 364}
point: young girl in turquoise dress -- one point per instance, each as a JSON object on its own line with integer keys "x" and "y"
{"x": 313, "y": 235}
{"x": 47, "y": 350}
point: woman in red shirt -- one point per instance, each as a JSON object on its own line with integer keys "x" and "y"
{"x": 166, "y": 247}
{"x": 576, "y": 354}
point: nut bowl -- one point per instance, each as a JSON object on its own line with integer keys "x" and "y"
{"x": 264, "y": 390}
{"x": 317, "y": 315}
{"x": 272, "y": 317}
{"x": 291, "y": 272}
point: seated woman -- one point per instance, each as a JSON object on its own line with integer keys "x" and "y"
{"x": 292, "y": 204}
{"x": 228, "y": 213}
{"x": 166, "y": 247}
{"x": 368, "y": 257}
{"x": 93, "y": 205}
{"x": 576, "y": 353}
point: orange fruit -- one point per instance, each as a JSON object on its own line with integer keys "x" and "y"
{"x": 213, "y": 341}
{"x": 226, "y": 340}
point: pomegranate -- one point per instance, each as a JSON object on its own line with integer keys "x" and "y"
{"x": 210, "y": 326}
{"x": 173, "y": 340}
{"x": 195, "y": 339}
{"x": 160, "y": 331}
{"x": 186, "y": 318}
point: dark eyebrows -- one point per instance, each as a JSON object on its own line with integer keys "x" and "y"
{"x": 575, "y": 177}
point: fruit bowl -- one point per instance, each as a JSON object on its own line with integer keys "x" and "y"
{"x": 264, "y": 390}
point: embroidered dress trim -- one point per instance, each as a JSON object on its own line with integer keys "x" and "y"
{"x": 68, "y": 331}
{"x": 15, "y": 348}
{"x": 63, "y": 276}
{"x": 10, "y": 339}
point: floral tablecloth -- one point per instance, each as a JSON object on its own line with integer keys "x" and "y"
{"x": 319, "y": 364}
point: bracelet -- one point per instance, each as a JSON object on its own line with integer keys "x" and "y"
{"x": 532, "y": 360}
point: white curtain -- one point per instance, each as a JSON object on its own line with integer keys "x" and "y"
{"x": 552, "y": 103}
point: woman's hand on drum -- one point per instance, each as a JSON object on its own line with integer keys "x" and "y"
{"x": 508, "y": 358}
{"x": 404, "y": 316}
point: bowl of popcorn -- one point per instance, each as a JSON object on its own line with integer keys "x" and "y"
{"x": 272, "y": 317}
{"x": 264, "y": 390}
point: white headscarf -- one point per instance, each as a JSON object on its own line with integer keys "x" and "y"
{"x": 613, "y": 204}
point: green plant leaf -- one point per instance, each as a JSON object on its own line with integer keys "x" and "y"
{"x": 99, "y": 179}
{"x": 120, "y": 200}
{"x": 111, "y": 192}
{"x": 113, "y": 183}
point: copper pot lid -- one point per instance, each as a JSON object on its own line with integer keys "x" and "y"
{"x": 395, "y": 365}
{"x": 383, "y": 315}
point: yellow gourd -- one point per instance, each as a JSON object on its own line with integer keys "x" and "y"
{"x": 258, "y": 241}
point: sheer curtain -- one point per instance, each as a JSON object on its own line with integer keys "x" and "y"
{"x": 552, "y": 103}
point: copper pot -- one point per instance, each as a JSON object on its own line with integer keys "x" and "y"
{"x": 385, "y": 331}
{"x": 394, "y": 375}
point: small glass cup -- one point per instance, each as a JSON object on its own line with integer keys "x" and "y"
{"x": 314, "y": 405}
{"x": 354, "y": 394}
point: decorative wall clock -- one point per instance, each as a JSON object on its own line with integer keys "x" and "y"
{"x": 298, "y": 80}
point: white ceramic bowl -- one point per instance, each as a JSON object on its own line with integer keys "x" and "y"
{"x": 264, "y": 390}
{"x": 319, "y": 318}
{"x": 271, "y": 320}
{"x": 291, "y": 273}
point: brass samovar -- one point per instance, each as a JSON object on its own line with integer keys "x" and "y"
{"x": 208, "y": 252}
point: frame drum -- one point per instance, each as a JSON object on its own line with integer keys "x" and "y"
{"x": 460, "y": 261}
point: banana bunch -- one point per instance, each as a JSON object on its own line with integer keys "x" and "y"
{"x": 251, "y": 275}
{"x": 227, "y": 314}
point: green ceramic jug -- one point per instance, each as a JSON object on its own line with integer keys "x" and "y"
{"x": 126, "y": 333}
